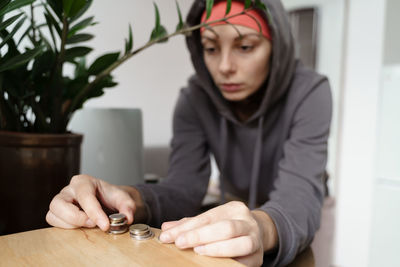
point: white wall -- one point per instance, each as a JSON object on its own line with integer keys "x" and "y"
{"x": 152, "y": 79}
{"x": 385, "y": 236}
{"x": 357, "y": 161}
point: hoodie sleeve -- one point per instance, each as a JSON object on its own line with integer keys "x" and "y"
{"x": 296, "y": 201}
{"x": 180, "y": 194}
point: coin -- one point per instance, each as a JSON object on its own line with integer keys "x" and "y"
{"x": 118, "y": 223}
{"x": 117, "y": 218}
{"x": 139, "y": 228}
{"x": 140, "y": 232}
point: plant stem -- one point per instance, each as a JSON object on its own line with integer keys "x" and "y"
{"x": 39, "y": 116}
{"x": 86, "y": 90}
{"x": 56, "y": 80}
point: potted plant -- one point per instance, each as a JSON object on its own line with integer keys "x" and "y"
{"x": 37, "y": 98}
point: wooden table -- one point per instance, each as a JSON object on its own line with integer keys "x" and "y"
{"x": 92, "y": 247}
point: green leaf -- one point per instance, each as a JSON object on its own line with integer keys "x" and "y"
{"x": 77, "y": 38}
{"x": 77, "y": 6}
{"x": 67, "y": 5}
{"x": 51, "y": 26}
{"x": 73, "y": 7}
{"x": 98, "y": 88}
{"x": 129, "y": 42}
{"x": 43, "y": 39}
{"x": 80, "y": 26}
{"x": 83, "y": 10}
{"x": 9, "y": 21}
{"x": 103, "y": 63}
{"x": 54, "y": 22}
{"x": 14, "y": 5}
{"x": 180, "y": 24}
{"x": 158, "y": 24}
{"x": 260, "y": 5}
{"x": 11, "y": 34}
{"x": 228, "y": 6}
{"x": 21, "y": 59}
{"x": 247, "y": 4}
{"x": 26, "y": 32}
{"x": 3, "y": 3}
{"x": 209, "y": 6}
{"x": 74, "y": 86}
{"x": 159, "y": 34}
{"x": 56, "y": 6}
{"x": 159, "y": 31}
{"x": 80, "y": 68}
{"x": 106, "y": 82}
{"x": 79, "y": 51}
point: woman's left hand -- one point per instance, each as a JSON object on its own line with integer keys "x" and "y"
{"x": 229, "y": 230}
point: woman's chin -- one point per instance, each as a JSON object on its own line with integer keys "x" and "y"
{"x": 234, "y": 96}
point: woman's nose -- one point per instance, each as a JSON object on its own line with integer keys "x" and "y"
{"x": 227, "y": 63}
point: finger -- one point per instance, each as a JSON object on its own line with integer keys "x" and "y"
{"x": 54, "y": 220}
{"x": 168, "y": 225}
{"x": 57, "y": 222}
{"x": 223, "y": 230}
{"x": 63, "y": 208}
{"x": 86, "y": 197}
{"x": 129, "y": 213}
{"x": 171, "y": 234}
{"x": 117, "y": 199}
{"x": 236, "y": 247}
{"x": 234, "y": 209}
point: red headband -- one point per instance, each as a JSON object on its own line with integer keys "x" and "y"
{"x": 249, "y": 19}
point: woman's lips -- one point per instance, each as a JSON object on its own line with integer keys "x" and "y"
{"x": 231, "y": 87}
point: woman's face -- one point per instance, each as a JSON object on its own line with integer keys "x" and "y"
{"x": 239, "y": 65}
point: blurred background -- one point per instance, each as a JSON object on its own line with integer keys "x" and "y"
{"x": 356, "y": 43}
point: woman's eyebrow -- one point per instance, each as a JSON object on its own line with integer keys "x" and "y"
{"x": 242, "y": 36}
{"x": 212, "y": 39}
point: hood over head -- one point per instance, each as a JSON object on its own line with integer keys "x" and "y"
{"x": 282, "y": 63}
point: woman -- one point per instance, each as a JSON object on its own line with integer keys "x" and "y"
{"x": 263, "y": 116}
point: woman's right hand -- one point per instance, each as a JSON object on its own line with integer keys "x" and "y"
{"x": 80, "y": 204}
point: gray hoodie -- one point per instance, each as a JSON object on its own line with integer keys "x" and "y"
{"x": 275, "y": 160}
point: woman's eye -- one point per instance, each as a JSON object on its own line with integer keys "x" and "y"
{"x": 209, "y": 50}
{"x": 246, "y": 48}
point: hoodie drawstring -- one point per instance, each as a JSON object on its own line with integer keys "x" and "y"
{"x": 255, "y": 170}
{"x": 224, "y": 154}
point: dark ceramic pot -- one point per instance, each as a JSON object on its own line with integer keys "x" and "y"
{"x": 33, "y": 169}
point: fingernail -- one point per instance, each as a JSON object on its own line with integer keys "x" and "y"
{"x": 180, "y": 241}
{"x": 165, "y": 238}
{"x": 199, "y": 250}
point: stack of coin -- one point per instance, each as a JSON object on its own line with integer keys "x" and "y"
{"x": 118, "y": 223}
{"x": 140, "y": 232}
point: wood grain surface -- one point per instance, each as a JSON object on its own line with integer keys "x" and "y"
{"x": 92, "y": 247}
